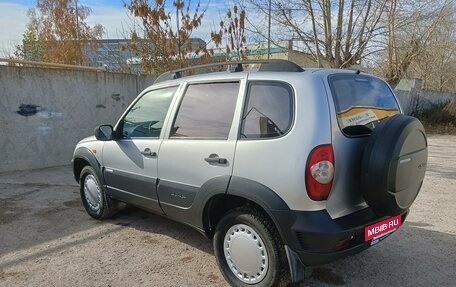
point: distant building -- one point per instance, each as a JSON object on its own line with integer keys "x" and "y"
{"x": 283, "y": 50}
{"x": 116, "y": 54}
{"x": 109, "y": 53}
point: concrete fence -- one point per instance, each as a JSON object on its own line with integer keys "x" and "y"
{"x": 45, "y": 112}
{"x": 414, "y": 99}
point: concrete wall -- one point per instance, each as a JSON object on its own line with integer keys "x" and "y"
{"x": 45, "y": 112}
{"x": 306, "y": 60}
{"x": 411, "y": 101}
{"x": 413, "y": 98}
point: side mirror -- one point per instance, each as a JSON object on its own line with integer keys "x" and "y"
{"x": 104, "y": 133}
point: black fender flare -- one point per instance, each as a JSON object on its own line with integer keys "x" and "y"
{"x": 213, "y": 187}
{"x": 275, "y": 207}
{"x": 248, "y": 189}
{"x": 242, "y": 187}
{"x": 85, "y": 154}
{"x": 256, "y": 192}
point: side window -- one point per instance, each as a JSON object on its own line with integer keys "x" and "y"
{"x": 268, "y": 110}
{"x": 145, "y": 118}
{"x": 206, "y": 111}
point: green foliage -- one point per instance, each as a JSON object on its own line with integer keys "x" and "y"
{"x": 31, "y": 48}
{"x": 57, "y": 32}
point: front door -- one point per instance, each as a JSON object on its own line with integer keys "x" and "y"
{"x": 131, "y": 161}
{"x": 200, "y": 146}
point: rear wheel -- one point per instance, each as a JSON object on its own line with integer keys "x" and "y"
{"x": 249, "y": 250}
{"x": 93, "y": 195}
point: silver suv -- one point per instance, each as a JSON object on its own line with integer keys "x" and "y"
{"x": 282, "y": 167}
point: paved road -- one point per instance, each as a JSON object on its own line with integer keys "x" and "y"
{"x": 46, "y": 239}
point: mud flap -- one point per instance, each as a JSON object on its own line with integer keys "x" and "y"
{"x": 298, "y": 271}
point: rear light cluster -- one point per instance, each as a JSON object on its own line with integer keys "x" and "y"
{"x": 320, "y": 172}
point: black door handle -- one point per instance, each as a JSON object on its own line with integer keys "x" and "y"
{"x": 148, "y": 152}
{"x": 214, "y": 158}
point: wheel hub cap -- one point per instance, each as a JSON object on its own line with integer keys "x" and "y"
{"x": 246, "y": 254}
{"x": 92, "y": 192}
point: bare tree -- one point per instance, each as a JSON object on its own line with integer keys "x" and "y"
{"x": 336, "y": 32}
{"x": 163, "y": 42}
{"x": 416, "y": 31}
{"x": 232, "y": 33}
{"x": 436, "y": 62}
{"x": 62, "y": 31}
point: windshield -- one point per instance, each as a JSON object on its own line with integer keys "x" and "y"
{"x": 361, "y": 101}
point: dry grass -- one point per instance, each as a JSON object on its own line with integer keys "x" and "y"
{"x": 440, "y": 129}
{"x": 450, "y": 108}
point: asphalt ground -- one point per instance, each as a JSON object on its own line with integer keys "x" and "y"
{"x": 47, "y": 239}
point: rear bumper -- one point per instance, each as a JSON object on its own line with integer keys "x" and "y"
{"x": 317, "y": 238}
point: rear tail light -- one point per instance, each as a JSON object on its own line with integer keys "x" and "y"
{"x": 320, "y": 172}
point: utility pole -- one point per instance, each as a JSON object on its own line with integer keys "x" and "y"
{"x": 178, "y": 31}
{"x": 77, "y": 21}
{"x": 77, "y": 27}
{"x": 269, "y": 29}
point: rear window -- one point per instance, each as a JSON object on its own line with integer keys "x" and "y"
{"x": 361, "y": 102}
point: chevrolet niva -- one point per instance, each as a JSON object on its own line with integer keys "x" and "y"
{"x": 281, "y": 167}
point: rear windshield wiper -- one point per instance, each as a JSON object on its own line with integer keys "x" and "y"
{"x": 357, "y": 130}
{"x": 366, "y": 129}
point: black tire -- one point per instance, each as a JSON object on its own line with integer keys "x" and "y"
{"x": 277, "y": 272}
{"x": 106, "y": 207}
{"x": 394, "y": 164}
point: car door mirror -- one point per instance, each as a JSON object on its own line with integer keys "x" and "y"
{"x": 104, "y": 133}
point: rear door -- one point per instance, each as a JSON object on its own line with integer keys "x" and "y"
{"x": 200, "y": 145}
{"x": 131, "y": 160}
{"x": 360, "y": 103}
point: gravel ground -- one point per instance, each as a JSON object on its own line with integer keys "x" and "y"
{"x": 46, "y": 239}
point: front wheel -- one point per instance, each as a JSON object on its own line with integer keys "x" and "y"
{"x": 93, "y": 195}
{"x": 249, "y": 250}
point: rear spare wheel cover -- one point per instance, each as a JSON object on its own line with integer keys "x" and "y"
{"x": 394, "y": 164}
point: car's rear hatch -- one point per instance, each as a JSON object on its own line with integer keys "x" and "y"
{"x": 358, "y": 102}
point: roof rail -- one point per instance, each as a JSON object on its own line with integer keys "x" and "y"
{"x": 274, "y": 65}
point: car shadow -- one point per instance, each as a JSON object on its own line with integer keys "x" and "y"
{"x": 42, "y": 219}
{"x": 413, "y": 256}
{"x": 157, "y": 224}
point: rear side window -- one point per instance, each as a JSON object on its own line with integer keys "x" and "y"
{"x": 268, "y": 112}
{"x": 361, "y": 102}
{"x": 206, "y": 111}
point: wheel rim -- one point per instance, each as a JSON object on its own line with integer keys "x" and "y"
{"x": 246, "y": 254}
{"x": 92, "y": 193}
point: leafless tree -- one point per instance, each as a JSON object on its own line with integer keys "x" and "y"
{"x": 162, "y": 41}
{"x": 420, "y": 35}
{"x": 232, "y": 33}
{"x": 335, "y": 32}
